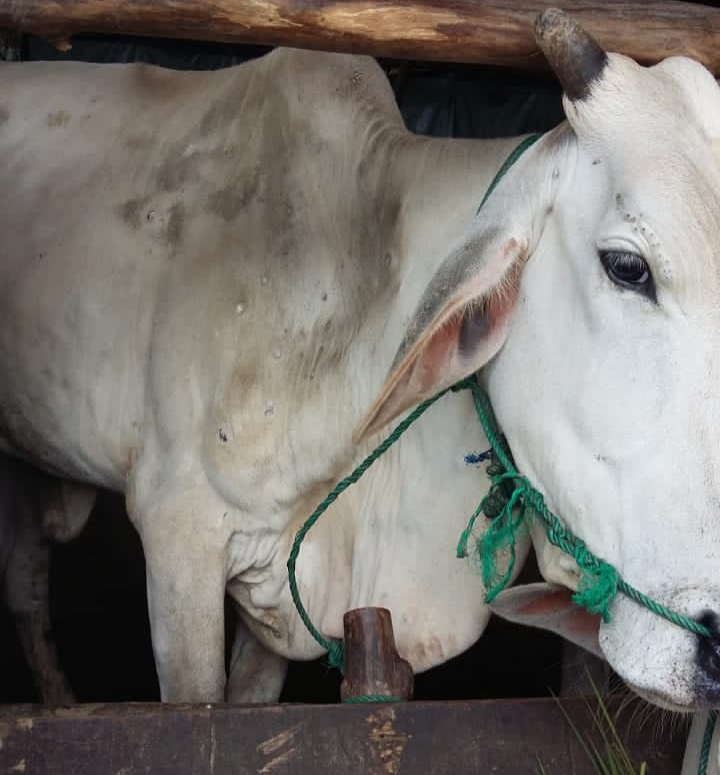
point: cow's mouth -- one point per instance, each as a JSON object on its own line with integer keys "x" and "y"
{"x": 664, "y": 701}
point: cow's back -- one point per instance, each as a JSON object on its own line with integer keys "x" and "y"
{"x": 138, "y": 203}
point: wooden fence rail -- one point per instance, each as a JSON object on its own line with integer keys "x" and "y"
{"x": 502, "y": 737}
{"x": 496, "y": 32}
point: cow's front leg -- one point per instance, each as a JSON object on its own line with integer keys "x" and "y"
{"x": 186, "y": 563}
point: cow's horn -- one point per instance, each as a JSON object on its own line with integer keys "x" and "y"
{"x": 573, "y": 54}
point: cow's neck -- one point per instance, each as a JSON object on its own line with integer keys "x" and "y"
{"x": 375, "y": 544}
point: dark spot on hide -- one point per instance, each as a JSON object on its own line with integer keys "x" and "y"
{"x": 57, "y": 119}
{"x": 138, "y": 142}
{"x": 4, "y": 114}
{"x": 351, "y": 87}
{"x": 176, "y": 221}
{"x": 131, "y": 210}
{"x": 227, "y": 202}
{"x": 215, "y": 116}
{"x": 173, "y": 171}
{"x": 222, "y": 435}
{"x": 182, "y": 165}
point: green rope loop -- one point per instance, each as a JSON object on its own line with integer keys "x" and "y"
{"x": 335, "y": 648}
{"x": 517, "y": 152}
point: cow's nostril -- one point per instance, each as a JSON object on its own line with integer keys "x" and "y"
{"x": 711, "y": 620}
{"x": 708, "y": 649}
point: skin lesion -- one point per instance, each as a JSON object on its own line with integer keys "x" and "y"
{"x": 59, "y": 118}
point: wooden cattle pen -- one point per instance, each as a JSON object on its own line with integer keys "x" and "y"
{"x": 465, "y": 736}
{"x": 504, "y": 737}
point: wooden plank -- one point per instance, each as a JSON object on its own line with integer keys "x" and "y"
{"x": 503, "y": 737}
{"x": 495, "y": 32}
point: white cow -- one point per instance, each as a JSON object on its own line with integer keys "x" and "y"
{"x": 213, "y": 274}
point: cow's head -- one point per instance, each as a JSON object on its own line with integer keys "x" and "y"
{"x": 587, "y": 293}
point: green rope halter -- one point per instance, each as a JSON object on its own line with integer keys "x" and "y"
{"x": 599, "y": 581}
{"x": 510, "y": 503}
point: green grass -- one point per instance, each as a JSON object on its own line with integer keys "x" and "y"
{"x": 605, "y": 749}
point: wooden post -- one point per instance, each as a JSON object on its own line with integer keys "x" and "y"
{"x": 373, "y": 666}
{"x": 493, "y": 32}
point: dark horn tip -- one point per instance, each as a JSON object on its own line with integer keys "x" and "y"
{"x": 550, "y": 19}
{"x": 572, "y": 53}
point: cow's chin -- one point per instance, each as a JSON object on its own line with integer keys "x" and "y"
{"x": 655, "y": 658}
{"x": 662, "y": 701}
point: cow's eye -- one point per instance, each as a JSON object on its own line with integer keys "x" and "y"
{"x": 628, "y": 270}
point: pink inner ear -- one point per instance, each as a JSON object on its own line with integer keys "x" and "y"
{"x": 436, "y": 357}
{"x": 550, "y": 608}
{"x": 465, "y": 334}
{"x": 550, "y": 602}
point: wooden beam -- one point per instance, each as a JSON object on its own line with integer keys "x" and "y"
{"x": 503, "y": 737}
{"x": 495, "y": 32}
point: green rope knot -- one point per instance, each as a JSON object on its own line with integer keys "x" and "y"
{"x": 510, "y": 505}
{"x": 497, "y": 548}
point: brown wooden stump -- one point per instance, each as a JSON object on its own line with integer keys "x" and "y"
{"x": 373, "y": 667}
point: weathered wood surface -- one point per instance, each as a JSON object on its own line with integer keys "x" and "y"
{"x": 496, "y": 32}
{"x": 372, "y": 663}
{"x": 505, "y": 737}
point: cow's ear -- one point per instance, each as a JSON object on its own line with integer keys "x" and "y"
{"x": 459, "y": 325}
{"x": 550, "y": 608}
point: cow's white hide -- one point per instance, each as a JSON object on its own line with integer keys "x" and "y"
{"x": 213, "y": 274}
